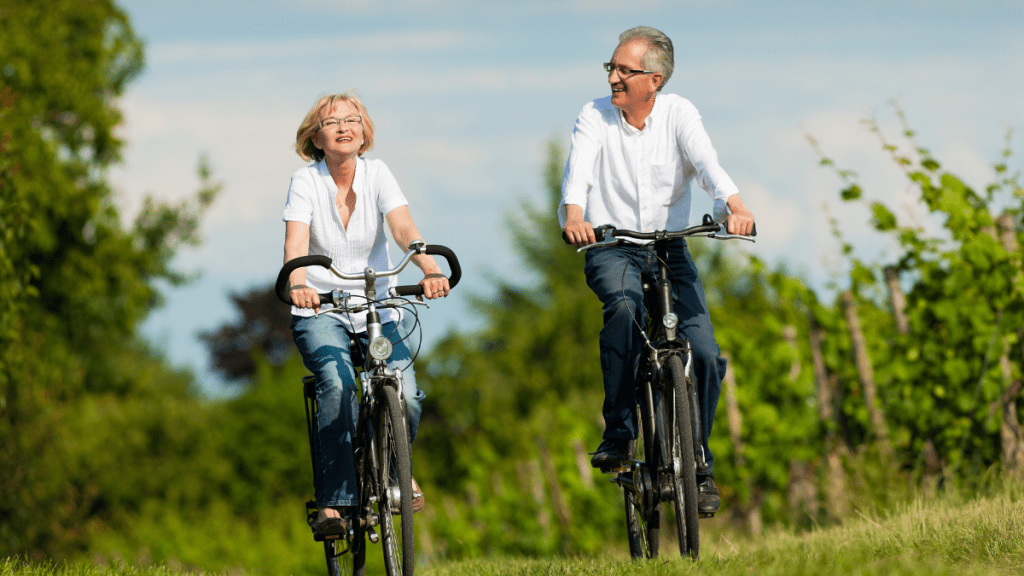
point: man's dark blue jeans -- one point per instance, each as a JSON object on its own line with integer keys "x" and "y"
{"x": 615, "y": 274}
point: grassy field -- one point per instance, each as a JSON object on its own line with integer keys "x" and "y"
{"x": 940, "y": 537}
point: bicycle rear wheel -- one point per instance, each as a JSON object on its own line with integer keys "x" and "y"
{"x": 394, "y": 506}
{"x": 643, "y": 513}
{"x": 683, "y": 463}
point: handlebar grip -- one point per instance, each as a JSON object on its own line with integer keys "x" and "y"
{"x": 708, "y": 220}
{"x": 281, "y": 287}
{"x": 453, "y": 265}
{"x": 598, "y": 235}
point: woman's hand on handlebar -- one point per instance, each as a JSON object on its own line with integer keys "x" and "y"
{"x": 434, "y": 286}
{"x": 304, "y": 297}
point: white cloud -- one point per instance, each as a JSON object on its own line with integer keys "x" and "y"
{"x": 354, "y": 45}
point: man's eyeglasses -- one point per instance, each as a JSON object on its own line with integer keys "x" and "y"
{"x": 622, "y": 70}
{"x": 354, "y": 119}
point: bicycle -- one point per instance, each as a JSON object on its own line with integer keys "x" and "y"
{"x": 668, "y": 453}
{"x": 381, "y": 439}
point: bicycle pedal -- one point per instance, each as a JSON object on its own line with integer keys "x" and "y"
{"x": 706, "y": 515}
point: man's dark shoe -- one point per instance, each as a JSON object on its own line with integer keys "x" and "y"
{"x": 708, "y": 501}
{"x": 610, "y": 454}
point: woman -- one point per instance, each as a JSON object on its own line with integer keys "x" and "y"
{"x": 337, "y": 207}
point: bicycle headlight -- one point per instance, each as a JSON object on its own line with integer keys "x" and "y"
{"x": 670, "y": 321}
{"x": 380, "y": 348}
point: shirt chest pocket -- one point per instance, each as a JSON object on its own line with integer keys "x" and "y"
{"x": 666, "y": 178}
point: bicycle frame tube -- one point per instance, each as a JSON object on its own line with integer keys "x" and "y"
{"x": 664, "y": 289}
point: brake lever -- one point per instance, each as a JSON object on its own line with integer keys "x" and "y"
{"x": 727, "y": 236}
{"x": 396, "y": 302}
{"x": 606, "y": 242}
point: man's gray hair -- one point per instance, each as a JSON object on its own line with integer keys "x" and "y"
{"x": 658, "y": 57}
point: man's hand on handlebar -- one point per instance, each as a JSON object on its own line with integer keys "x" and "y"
{"x": 580, "y": 233}
{"x": 304, "y": 297}
{"x": 741, "y": 220}
{"x": 740, "y": 223}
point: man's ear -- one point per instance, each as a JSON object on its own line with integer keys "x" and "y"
{"x": 658, "y": 79}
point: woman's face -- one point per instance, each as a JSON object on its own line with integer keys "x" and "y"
{"x": 340, "y": 134}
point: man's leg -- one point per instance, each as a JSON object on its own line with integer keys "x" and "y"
{"x": 613, "y": 274}
{"x": 708, "y": 365}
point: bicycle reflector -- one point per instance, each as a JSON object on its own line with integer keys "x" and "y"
{"x": 670, "y": 321}
{"x": 380, "y": 348}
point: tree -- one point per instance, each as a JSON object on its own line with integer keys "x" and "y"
{"x": 264, "y": 327}
{"x": 75, "y": 283}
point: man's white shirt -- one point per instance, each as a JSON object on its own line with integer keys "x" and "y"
{"x": 640, "y": 179}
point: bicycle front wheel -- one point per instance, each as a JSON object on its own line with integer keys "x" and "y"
{"x": 684, "y": 467}
{"x": 643, "y": 513}
{"x": 394, "y": 505}
{"x": 345, "y": 557}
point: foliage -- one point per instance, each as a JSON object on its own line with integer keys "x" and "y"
{"x": 74, "y": 283}
{"x": 964, "y": 309}
{"x": 264, "y": 325}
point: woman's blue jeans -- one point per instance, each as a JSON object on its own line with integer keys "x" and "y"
{"x": 615, "y": 274}
{"x": 324, "y": 344}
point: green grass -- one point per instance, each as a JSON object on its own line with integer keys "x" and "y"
{"x": 948, "y": 536}
{"x": 945, "y": 536}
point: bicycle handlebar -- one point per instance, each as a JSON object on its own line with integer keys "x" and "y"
{"x": 708, "y": 226}
{"x": 281, "y": 286}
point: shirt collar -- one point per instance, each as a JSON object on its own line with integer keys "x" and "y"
{"x": 648, "y": 122}
{"x": 332, "y": 188}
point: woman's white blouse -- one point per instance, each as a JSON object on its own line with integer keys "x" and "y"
{"x": 311, "y": 197}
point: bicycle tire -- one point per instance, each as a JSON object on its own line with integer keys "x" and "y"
{"x": 395, "y": 471}
{"x": 684, "y": 484}
{"x": 345, "y": 556}
{"x": 643, "y": 514}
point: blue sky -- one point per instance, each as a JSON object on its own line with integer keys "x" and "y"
{"x": 467, "y": 94}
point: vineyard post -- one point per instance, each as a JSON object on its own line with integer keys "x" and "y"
{"x": 867, "y": 376}
{"x": 898, "y": 299}
{"x": 1011, "y": 435}
{"x": 835, "y": 478}
{"x": 929, "y": 456}
{"x": 751, "y": 513}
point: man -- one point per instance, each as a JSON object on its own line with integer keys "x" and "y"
{"x": 632, "y": 158}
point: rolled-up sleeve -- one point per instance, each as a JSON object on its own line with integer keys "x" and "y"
{"x": 581, "y": 167}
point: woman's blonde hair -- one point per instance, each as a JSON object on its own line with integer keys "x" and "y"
{"x": 309, "y": 127}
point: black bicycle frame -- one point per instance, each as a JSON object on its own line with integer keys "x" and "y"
{"x": 665, "y": 341}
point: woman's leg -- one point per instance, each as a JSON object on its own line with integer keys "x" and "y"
{"x": 324, "y": 345}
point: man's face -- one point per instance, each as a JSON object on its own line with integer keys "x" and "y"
{"x": 631, "y": 90}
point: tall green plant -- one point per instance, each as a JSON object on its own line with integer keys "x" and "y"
{"x": 964, "y": 308}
